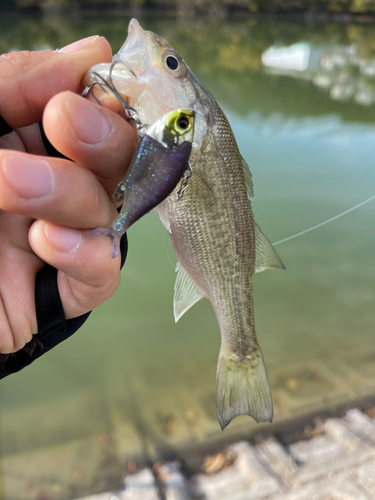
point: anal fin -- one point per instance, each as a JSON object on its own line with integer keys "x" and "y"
{"x": 265, "y": 255}
{"x": 161, "y": 213}
{"x": 186, "y": 294}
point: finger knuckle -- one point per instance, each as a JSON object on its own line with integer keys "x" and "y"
{"x": 6, "y": 340}
{"x": 10, "y": 65}
{"x": 95, "y": 294}
{"x": 14, "y": 335}
{"x": 13, "y": 68}
{"x": 96, "y": 205}
{"x": 12, "y": 341}
{"x": 16, "y": 59}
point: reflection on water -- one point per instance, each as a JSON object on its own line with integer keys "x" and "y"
{"x": 134, "y": 385}
{"x": 342, "y": 71}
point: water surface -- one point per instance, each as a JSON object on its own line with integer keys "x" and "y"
{"x": 132, "y": 384}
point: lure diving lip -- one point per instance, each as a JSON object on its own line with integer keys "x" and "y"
{"x": 158, "y": 164}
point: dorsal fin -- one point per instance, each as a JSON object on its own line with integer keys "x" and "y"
{"x": 248, "y": 180}
{"x": 265, "y": 255}
{"x": 186, "y": 294}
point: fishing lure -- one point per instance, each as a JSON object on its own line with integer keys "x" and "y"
{"x": 159, "y": 162}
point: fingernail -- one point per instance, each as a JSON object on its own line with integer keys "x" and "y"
{"x": 80, "y": 44}
{"x": 29, "y": 178}
{"x": 88, "y": 122}
{"x": 64, "y": 239}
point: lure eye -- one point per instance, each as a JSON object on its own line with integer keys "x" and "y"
{"x": 183, "y": 123}
{"x": 179, "y": 123}
{"x": 172, "y": 63}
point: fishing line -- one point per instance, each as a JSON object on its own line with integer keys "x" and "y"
{"x": 326, "y": 221}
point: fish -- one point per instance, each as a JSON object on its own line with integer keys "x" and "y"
{"x": 157, "y": 165}
{"x": 211, "y": 225}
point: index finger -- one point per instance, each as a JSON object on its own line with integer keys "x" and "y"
{"x": 30, "y": 79}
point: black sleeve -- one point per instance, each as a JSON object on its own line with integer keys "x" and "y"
{"x": 53, "y": 328}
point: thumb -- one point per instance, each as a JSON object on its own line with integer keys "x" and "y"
{"x": 30, "y": 79}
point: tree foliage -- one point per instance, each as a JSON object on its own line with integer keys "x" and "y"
{"x": 273, "y": 6}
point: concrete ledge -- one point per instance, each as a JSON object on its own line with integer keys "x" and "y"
{"x": 339, "y": 462}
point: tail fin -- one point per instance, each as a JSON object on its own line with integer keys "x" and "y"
{"x": 242, "y": 388}
{"x": 113, "y": 234}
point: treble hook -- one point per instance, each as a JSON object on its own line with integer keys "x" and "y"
{"x": 120, "y": 61}
{"x": 185, "y": 181}
{"x": 91, "y": 89}
{"x": 131, "y": 113}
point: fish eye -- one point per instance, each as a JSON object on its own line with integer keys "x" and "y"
{"x": 172, "y": 62}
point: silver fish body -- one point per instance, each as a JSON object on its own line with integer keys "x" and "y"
{"x": 212, "y": 228}
{"x": 213, "y": 233}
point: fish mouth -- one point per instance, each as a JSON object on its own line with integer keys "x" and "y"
{"x": 135, "y": 33}
{"x": 135, "y": 48}
{"x": 135, "y": 26}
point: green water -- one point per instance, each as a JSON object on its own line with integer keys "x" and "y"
{"x": 132, "y": 384}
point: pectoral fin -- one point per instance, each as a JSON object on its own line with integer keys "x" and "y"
{"x": 163, "y": 218}
{"x": 186, "y": 294}
{"x": 265, "y": 255}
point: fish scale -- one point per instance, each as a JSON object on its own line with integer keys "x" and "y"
{"x": 211, "y": 225}
{"x": 223, "y": 240}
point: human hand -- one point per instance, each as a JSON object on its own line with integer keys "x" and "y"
{"x": 48, "y": 206}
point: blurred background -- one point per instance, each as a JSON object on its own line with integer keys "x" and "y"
{"x": 296, "y": 80}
